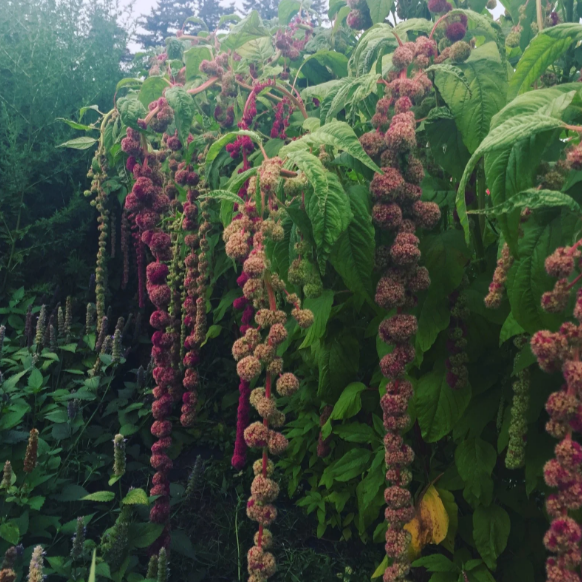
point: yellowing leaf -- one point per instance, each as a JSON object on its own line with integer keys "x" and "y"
{"x": 430, "y": 524}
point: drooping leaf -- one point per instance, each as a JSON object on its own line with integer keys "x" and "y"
{"x": 437, "y": 406}
{"x": 502, "y": 137}
{"x": 543, "y": 50}
{"x": 135, "y": 497}
{"x": 324, "y": 66}
{"x": 475, "y": 99}
{"x": 337, "y": 134}
{"x": 430, "y": 524}
{"x": 353, "y": 255}
{"x": 217, "y": 147}
{"x": 491, "y": 527}
{"x": 328, "y": 205}
{"x": 321, "y": 309}
{"x": 352, "y": 464}
{"x": 475, "y": 460}
{"x": 338, "y": 361}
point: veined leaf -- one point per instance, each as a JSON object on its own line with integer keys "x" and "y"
{"x": 327, "y": 206}
{"x": 369, "y": 47}
{"x": 102, "y": 496}
{"x": 79, "y": 143}
{"x": 129, "y": 82}
{"x": 337, "y": 134}
{"x": 475, "y": 99}
{"x": 353, "y": 255}
{"x": 545, "y": 48}
{"x": 288, "y": 9}
{"x": 222, "y": 195}
{"x": 532, "y": 199}
{"x": 438, "y": 406}
{"x": 500, "y": 138}
{"x": 346, "y": 94}
{"x": 247, "y": 29}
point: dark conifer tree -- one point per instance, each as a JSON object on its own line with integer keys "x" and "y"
{"x": 268, "y": 9}
{"x": 164, "y": 20}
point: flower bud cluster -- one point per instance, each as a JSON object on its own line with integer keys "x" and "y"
{"x": 286, "y": 38}
{"x": 31, "y": 455}
{"x": 256, "y": 351}
{"x": 559, "y": 351}
{"x": 145, "y": 205}
{"x": 359, "y": 17}
{"x": 399, "y": 211}
{"x": 515, "y": 457}
{"x": 457, "y": 373}
{"x": 303, "y": 271}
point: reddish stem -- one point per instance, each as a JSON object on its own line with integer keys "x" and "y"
{"x": 204, "y": 86}
{"x": 436, "y": 24}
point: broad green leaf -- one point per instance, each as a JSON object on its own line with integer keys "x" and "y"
{"x": 131, "y": 109}
{"x": 183, "y": 105}
{"x": 379, "y": 9}
{"x": 247, "y": 29}
{"x": 324, "y": 66}
{"x": 338, "y": 362}
{"x": 102, "y": 496}
{"x": 474, "y": 105}
{"x": 71, "y": 492}
{"x": 353, "y": 255}
{"x": 79, "y": 143}
{"x": 287, "y": 10}
{"x": 197, "y": 20}
{"x": 502, "y": 137}
{"x": 142, "y": 535}
{"x": 35, "y": 379}
{"x": 544, "y": 49}
{"x": 328, "y": 205}
{"x": 337, "y": 134}
{"x": 351, "y": 465}
{"x": 437, "y": 406}
{"x": 356, "y": 432}
{"x": 257, "y": 50}
{"x": 369, "y": 493}
{"x": 446, "y": 142}
{"x": 9, "y": 531}
{"x": 372, "y": 43}
{"x": 182, "y": 544}
{"x": 152, "y": 89}
{"x": 475, "y": 460}
{"x": 349, "y": 402}
{"x": 135, "y": 497}
{"x": 435, "y": 563}
{"x": 321, "y": 309}
{"x": 323, "y": 90}
{"x": 527, "y": 279}
{"x": 413, "y": 25}
{"x": 491, "y": 527}
{"x": 193, "y": 57}
{"x": 452, "y": 510}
